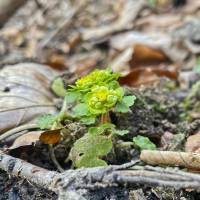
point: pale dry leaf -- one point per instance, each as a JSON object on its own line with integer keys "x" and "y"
{"x": 47, "y": 137}
{"x": 159, "y": 41}
{"x": 25, "y": 93}
{"x": 27, "y": 139}
{"x": 120, "y": 63}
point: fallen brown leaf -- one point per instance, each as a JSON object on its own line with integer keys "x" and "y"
{"x": 56, "y": 61}
{"x": 144, "y": 55}
{"x": 50, "y": 136}
{"x": 147, "y": 75}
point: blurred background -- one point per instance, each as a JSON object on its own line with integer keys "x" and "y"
{"x": 153, "y": 38}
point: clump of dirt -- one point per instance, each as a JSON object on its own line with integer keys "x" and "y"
{"x": 156, "y": 110}
{"x": 14, "y": 188}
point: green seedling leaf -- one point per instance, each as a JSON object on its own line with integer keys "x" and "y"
{"x": 88, "y": 150}
{"x": 107, "y": 127}
{"x": 88, "y": 120}
{"x": 124, "y": 105}
{"x": 129, "y": 100}
{"x": 197, "y": 68}
{"x": 46, "y": 121}
{"x": 71, "y": 97}
{"x": 96, "y": 130}
{"x": 80, "y": 110}
{"x": 90, "y": 161}
{"x": 121, "y": 107}
{"x": 143, "y": 143}
{"x": 120, "y": 132}
{"x": 58, "y": 87}
{"x": 101, "y": 129}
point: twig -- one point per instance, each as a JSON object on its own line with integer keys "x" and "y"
{"x": 71, "y": 182}
{"x": 53, "y": 158}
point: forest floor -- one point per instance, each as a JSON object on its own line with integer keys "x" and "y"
{"x": 156, "y": 46}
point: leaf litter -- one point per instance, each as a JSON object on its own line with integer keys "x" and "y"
{"x": 154, "y": 50}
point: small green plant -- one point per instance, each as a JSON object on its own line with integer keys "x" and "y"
{"x": 143, "y": 143}
{"x": 89, "y": 101}
{"x": 96, "y": 94}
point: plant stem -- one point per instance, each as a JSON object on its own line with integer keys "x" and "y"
{"x": 54, "y": 126}
{"x": 53, "y": 158}
{"x": 104, "y": 118}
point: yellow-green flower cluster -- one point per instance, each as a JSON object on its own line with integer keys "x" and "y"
{"x": 97, "y": 77}
{"x": 96, "y": 94}
{"x": 101, "y": 99}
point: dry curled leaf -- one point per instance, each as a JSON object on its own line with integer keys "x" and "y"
{"x": 50, "y": 136}
{"x": 24, "y": 93}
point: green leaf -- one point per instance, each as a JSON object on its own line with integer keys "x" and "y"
{"x": 121, "y": 107}
{"x": 124, "y": 105}
{"x": 80, "y": 110}
{"x": 143, "y": 143}
{"x": 101, "y": 128}
{"x": 88, "y": 120}
{"x": 120, "y": 132}
{"x": 90, "y": 161}
{"x": 197, "y": 68}
{"x": 108, "y": 126}
{"x": 96, "y": 130}
{"x": 71, "y": 97}
{"x": 88, "y": 150}
{"x": 46, "y": 121}
{"x": 129, "y": 100}
{"x": 58, "y": 87}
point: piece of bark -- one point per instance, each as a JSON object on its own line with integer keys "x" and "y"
{"x": 172, "y": 158}
{"x": 8, "y": 8}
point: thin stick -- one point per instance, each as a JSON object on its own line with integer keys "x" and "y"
{"x": 93, "y": 178}
{"x": 53, "y": 158}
